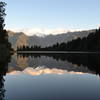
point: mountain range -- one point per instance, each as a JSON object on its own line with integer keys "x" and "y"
{"x": 18, "y": 39}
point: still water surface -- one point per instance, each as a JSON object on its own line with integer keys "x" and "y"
{"x": 52, "y": 77}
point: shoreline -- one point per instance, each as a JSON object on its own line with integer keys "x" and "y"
{"x": 56, "y": 52}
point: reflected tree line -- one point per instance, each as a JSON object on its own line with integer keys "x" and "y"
{"x": 91, "y": 43}
{"x": 4, "y": 60}
{"x": 88, "y": 60}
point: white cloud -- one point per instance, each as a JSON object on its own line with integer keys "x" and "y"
{"x": 42, "y": 32}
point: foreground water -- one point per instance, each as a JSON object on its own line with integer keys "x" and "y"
{"x": 51, "y": 77}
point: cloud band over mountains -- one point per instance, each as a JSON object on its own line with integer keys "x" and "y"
{"x": 42, "y": 32}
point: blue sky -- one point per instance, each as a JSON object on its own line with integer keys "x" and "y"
{"x": 53, "y": 14}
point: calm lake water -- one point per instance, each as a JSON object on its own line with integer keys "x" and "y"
{"x": 50, "y": 77}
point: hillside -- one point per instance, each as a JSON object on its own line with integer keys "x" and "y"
{"x": 20, "y": 39}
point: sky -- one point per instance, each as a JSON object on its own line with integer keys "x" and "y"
{"x": 52, "y": 15}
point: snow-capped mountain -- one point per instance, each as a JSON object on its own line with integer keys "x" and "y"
{"x": 19, "y": 38}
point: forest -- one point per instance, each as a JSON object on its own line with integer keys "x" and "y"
{"x": 5, "y": 46}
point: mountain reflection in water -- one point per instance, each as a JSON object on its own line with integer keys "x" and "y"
{"x": 58, "y": 76}
{"x": 56, "y": 63}
{"x": 40, "y": 71}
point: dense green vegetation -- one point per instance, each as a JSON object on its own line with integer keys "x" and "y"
{"x": 89, "y": 43}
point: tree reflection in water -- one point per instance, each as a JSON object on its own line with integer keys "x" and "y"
{"x": 88, "y": 60}
{"x": 4, "y": 60}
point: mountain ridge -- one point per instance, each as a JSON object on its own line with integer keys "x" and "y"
{"x": 18, "y": 39}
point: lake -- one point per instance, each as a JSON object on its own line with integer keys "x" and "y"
{"x": 50, "y": 77}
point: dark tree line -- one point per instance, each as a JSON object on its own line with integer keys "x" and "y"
{"x": 89, "y": 43}
{"x": 5, "y": 46}
{"x": 27, "y": 48}
{"x": 55, "y": 47}
{"x": 5, "y": 50}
